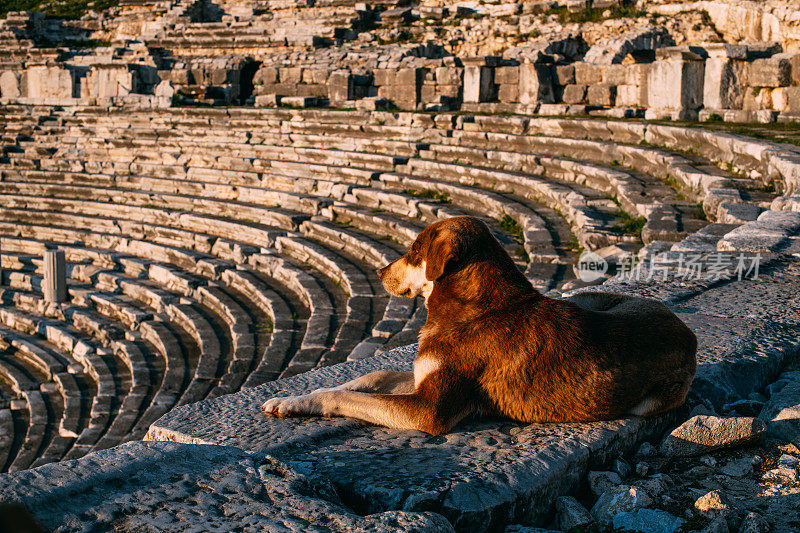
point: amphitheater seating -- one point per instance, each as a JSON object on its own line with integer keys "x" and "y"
{"x": 210, "y": 250}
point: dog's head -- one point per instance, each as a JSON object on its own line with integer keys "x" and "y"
{"x": 442, "y": 248}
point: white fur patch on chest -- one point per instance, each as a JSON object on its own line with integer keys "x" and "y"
{"x": 424, "y": 366}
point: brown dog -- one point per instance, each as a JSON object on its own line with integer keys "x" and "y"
{"x": 493, "y": 345}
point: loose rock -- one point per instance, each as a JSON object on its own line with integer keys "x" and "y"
{"x": 754, "y": 523}
{"x": 599, "y": 482}
{"x": 702, "y": 434}
{"x": 648, "y": 521}
{"x": 782, "y": 412}
{"x": 570, "y": 513}
{"x": 624, "y": 498}
{"x": 712, "y": 504}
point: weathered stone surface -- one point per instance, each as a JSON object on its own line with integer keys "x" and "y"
{"x": 754, "y": 523}
{"x": 599, "y": 482}
{"x": 536, "y": 83}
{"x": 601, "y": 95}
{"x": 702, "y": 434}
{"x": 712, "y": 503}
{"x": 574, "y": 94}
{"x": 773, "y": 231}
{"x": 648, "y": 521}
{"x": 570, "y": 513}
{"x": 775, "y": 71}
{"x": 782, "y": 411}
{"x": 676, "y": 80}
{"x": 159, "y": 486}
{"x": 622, "y": 499}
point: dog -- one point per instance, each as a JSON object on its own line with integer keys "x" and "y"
{"x": 494, "y": 346}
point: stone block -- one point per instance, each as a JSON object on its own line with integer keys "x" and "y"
{"x": 587, "y": 74}
{"x": 615, "y": 74}
{"x": 756, "y": 98}
{"x": 775, "y": 71}
{"x": 724, "y": 85}
{"x": 50, "y": 82}
{"x": 791, "y": 100}
{"x": 449, "y": 91}
{"x": 340, "y": 87}
{"x": 427, "y": 93}
{"x": 601, "y": 95}
{"x": 479, "y": 84}
{"x": 315, "y": 76}
{"x": 536, "y": 83}
{"x": 384, "y": 76}
{"x": 290, "y": 74}
{"x": 219, "y": 76}
{"x": 9, "y": 85}
{"x": 565, "y": 74}
{"x": 403, "y": 96}
{"x": 448, "y": 75}
{"x": 506, "y": 75}
{"x": 675, "y": 80}
{"x": 408, "y": 76}
{"x": 180, "y": 76}
{"x": 794, "y": 61}
{"x": 266, "y": 76}
{"x": 267, "y": 100}
{"x": 508, "y": 94}
{"x": 636, "y": 74}
{"x": 373, "y": 103}
{"x": 574, "y": 94}
{"x": 631, "y": 96}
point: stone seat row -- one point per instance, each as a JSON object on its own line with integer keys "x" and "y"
{"x": 612, "y": 181}
{"x": 163, "y": 235}
{"x": 160, "y": 338}
{"x": 118, "y": 301}
{"x": 155, "y": 237}
{"x": 19, "y": 180}
{"x": 353, "y": 330}
{"x": 62, "y": 383}
{"x": 234, "y": 191}
{"x": 169, "y": 288}
{"x": 761, "y": 157}
{"x": 90, "y": 315}
{"x": 60, "y": 337}
{"x": 28, "y": 181}
{"x": 382, "y": 257}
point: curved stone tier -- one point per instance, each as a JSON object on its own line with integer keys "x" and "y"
{"x": 213, "y": 250}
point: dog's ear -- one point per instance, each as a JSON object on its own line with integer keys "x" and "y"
{"x": 444, "y": 249}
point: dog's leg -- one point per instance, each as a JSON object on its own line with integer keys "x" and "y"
{"x": 431, "y": 408}
{"x": 383, "y": 381}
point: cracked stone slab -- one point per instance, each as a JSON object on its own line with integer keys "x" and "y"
{"x": 491, "y": 472}
{"x": 173, "y": 487}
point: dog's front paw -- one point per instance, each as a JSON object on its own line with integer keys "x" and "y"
{"x": 287, "y": 406}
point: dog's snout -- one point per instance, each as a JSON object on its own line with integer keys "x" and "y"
{"x": 382, "y": 272}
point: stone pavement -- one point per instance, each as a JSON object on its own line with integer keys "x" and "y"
{"x": 165, "y": 487}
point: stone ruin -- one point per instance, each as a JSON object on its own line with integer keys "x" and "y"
{"x": 223, "y": 180}
{"x": 325, "y": 54}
